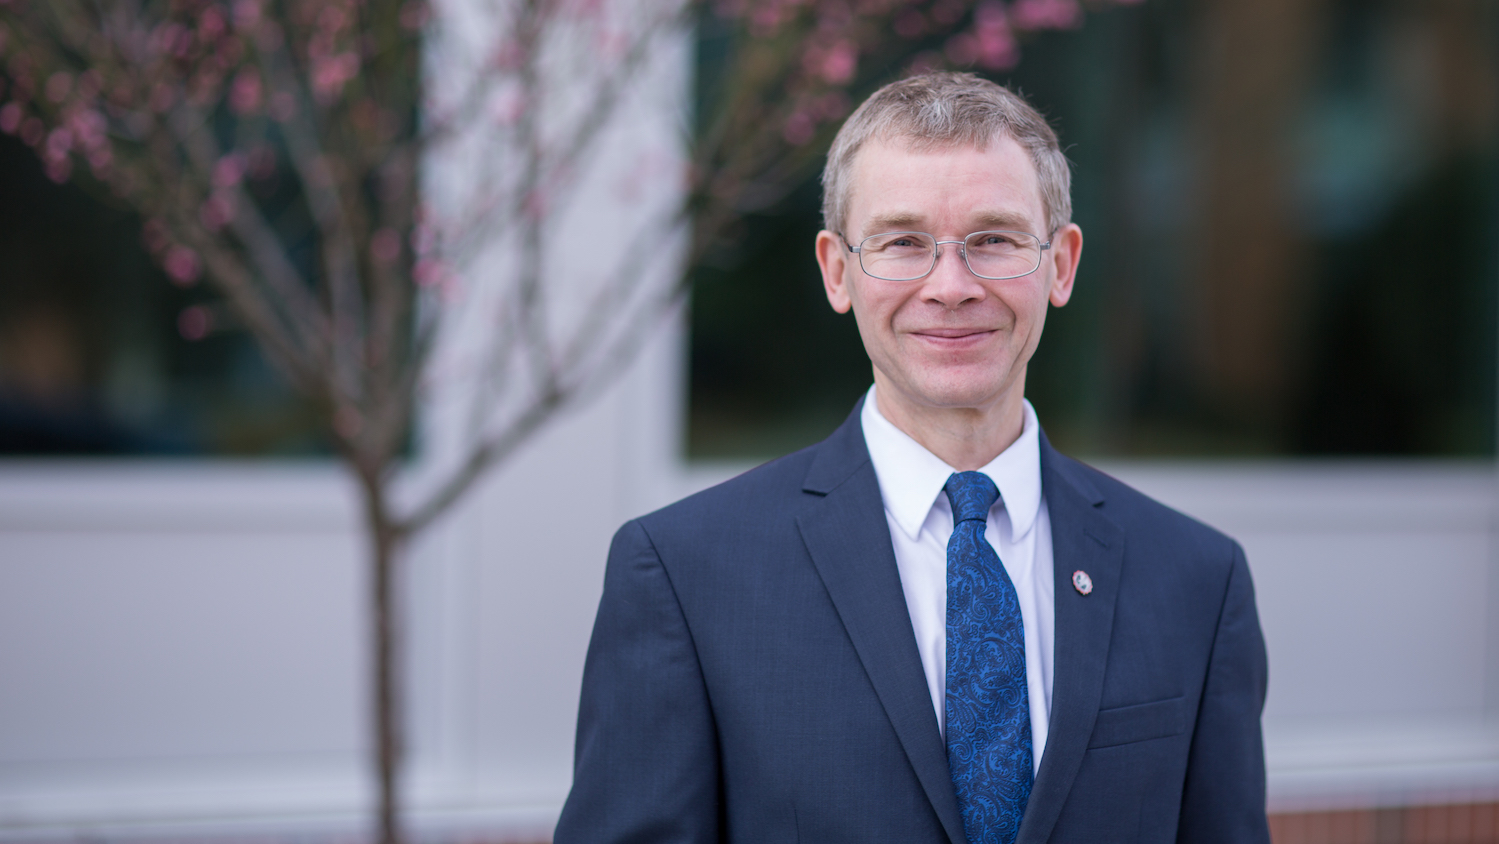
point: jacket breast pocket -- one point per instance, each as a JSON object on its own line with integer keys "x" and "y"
{"x": 1139, "y": 722}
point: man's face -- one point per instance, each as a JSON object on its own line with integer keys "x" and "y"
{"x": 951, "y": 339}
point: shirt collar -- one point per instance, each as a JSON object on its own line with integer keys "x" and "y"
{"x": 911, "y": 477}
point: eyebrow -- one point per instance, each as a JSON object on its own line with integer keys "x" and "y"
{"x": 892, "y": 223}
{"x": 987, "y": 220}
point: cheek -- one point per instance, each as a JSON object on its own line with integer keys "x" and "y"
{"x": 872, "y": 309}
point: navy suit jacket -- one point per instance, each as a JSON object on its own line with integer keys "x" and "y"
{"x": 753, "y": 675}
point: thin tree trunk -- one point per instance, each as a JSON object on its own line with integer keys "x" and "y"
{"x": 386, "y": 543}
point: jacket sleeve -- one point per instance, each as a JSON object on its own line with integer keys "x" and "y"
{"x": 645, "y": 766}
{"x": 1223, "y": 801}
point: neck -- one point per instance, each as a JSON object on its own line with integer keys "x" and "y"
{"x": 966, "y": 438}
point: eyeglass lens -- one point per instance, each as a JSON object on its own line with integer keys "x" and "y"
{"x": 904, "y": 256}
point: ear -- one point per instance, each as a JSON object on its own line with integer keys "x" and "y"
{"x": 832, "y": 258}
{"x": 1066, "y": 251}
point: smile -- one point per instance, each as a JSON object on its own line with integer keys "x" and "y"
{"x": 954, "y": 338}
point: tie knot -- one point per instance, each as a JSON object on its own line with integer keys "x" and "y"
{"x": 971, "y": 495}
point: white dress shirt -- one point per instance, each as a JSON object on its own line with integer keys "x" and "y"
{"x": 1019, "y": 528}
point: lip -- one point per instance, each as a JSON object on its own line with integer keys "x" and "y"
{"x": 953, "y": 338}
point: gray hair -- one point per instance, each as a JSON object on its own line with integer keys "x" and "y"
{"x": 948, "y": 109}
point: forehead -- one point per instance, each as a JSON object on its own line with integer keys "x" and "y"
{"x": 947, "y": 190}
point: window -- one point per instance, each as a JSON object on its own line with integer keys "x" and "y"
{"x": 1290, "y": 213}
{"x": 101, "y": 355}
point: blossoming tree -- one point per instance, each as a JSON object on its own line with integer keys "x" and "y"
{"x": 279, "y": 150}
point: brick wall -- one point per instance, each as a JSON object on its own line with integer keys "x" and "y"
{"x": 1473, "y": 823}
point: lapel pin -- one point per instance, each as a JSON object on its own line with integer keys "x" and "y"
{"x": 1082, "y": 582}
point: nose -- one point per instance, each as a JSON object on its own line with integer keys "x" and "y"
{"x": 950, "y": 282}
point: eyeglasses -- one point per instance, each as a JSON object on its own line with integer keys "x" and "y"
{"x": 907, "y": 256}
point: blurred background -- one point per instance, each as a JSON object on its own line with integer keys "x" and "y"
{"x": 1291, "y": 224}
{"x": 1286, "y": 324}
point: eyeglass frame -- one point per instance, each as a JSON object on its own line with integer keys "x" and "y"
{"x": 937, "y": 253}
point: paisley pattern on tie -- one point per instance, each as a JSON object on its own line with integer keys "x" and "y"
{"x": 988, "y": 706}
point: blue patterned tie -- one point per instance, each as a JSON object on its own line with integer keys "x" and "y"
{"x": 988, "y": 706}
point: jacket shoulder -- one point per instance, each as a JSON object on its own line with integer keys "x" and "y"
{"x": 1139, "y": 514}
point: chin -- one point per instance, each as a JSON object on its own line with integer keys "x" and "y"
{"x": 960, "y": 392}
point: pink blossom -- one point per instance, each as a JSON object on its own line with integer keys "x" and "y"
{"x": 766, "y": 19}
{"x": 100, "y": 159}
{"x": 962, "y": 49}
{"x": 832, "y": 105}
{"x": 32, "y": 131}
{"x": 429, "y": 273}
{"x": 154, "y": 236}
{"x": 60, "y": 169}
{"x": 385, "y": 246}
{"x": 164, "y": 36}
{"x": 229, "y": 170}
{"x": 59, "y": 85}
{"x": 331, "y": 74}
{"x": 10, "y": 118}
{"x": 423, "y": 238}
{"x": 333, "y": 19}
{"x": 59, "y": 142}
{"x": 507, "y": 55}
{"x": 163, "y": 97}
{"x": 194, "y": 323}
{"x": 586, "y": 8}
{"x": 204, "y": 91}
{"x": 123, "y": 93}
{"x": 910, "y": 23}
{"x": 245, "y": 92}
{"x": 924, "y": 62}
{"x": 835, "y": 17}
{"x": 88, "y": 127}
{"x": 840, "y": 63}
{"x": 182, "y": 45}
{"x": 211, "y": 24}
{"x": 948, "y": 12}
{"x": 990, "y": 13}
{"x": 450, "y": 289}
{"x": 246, "y": 14}
{"x": 997, "y": 49}
{"x": 799, "y": 129}
{"x": 182, "y": 266}
{"x": 1047, "y": 14}
{"x": 613, "y": 44}
{"x": 216, "y": 212}
{"x": 89, "y": 85}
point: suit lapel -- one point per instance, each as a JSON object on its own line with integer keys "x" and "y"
{"x": 845, "y": 532}
{"x": 1083, "y": 539}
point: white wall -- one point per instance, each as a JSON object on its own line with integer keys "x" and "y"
{"x": 1379, "y": 597}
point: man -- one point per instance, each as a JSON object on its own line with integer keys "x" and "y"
{"x": 931, "y": 627}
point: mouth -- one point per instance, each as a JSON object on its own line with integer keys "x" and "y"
{"x": 953, "y": 337}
